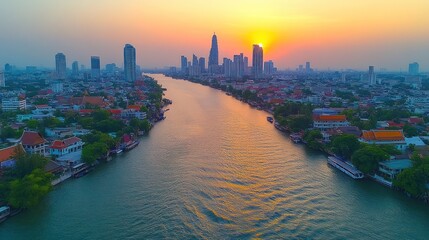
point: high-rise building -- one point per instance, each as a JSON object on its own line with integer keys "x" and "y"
{"x": 246, "y": 66}
{"x": 308, "y": 67}
{"x": 130, "y": 63}
{"x": 60, "y": 65}
{"x": 257, "y": 61}
{"x": 372, "y": 78}
{"x": 8, "y": 68}
{"x": 202, "y": 64}
{"x": 413, "y": 68}
{"x": 269, "y": 68}
{"x": 183, "y": 64}
{"x": 214, "y": 55}
{"x": 2, "y": 81}
{"x": 238, "y": 68}
{"x": 95, "y": 67}
{"x": 227, "y": 67}
{"x": 75, "y": 68}
{"x": 194, "y": 60}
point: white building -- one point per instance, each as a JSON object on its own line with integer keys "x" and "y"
{"x": 66, "y": 146}
{"x": 13, "y": 104}
{"x": 325, "y": 122}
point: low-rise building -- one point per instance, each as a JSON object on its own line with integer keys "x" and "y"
{"x": 325, "y": 122}
{"x": 33, "y": 143}
{"x": 391, "y": 168}
{"x": 13, "y": 104}
{"x": 7, "y": 155}
{"x": 66, "y": 146}
{"x": 385, "y": 137}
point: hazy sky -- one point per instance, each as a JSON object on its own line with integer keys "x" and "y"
{"x": 328, "y": 33}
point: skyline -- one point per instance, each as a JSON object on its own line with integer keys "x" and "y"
{"x": 331, "y": 34}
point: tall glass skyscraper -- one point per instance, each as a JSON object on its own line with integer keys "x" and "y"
{"x": 130, "y": 63}
{"x": 258, "y": 61}
{"x": 95, "y": 67}
{"x": 214, "y": 55}
{"x": 60, "y": 65}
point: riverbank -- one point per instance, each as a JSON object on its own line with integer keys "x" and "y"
{"x": 314, "y": 138}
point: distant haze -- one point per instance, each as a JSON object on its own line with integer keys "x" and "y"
{"x": 330, "y": 33}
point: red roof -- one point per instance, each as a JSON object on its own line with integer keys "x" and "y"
{"x": 9, "y": 152}
{"x": 115, "y": 111}
{"x": 415, "y": 120}
{"x": 383, "y": 135}
{"x": 135, "y": 107}
{"x": 330, "y": 118}
{"x": 32, "y": 138}
{"x": 60, "y": 144}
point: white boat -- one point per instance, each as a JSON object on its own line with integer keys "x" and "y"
{"x": 4, "y": 213}
{"x": 345, "y": 167}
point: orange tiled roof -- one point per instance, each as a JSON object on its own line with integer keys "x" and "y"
{"x": 331, "y": 118}
{"x": 60, "y": 144}
{"x": 9, "y": 152}
{"x": 134, "y": 107}
{"x": 32, "y": 138}
{"x": 383, "y": 135}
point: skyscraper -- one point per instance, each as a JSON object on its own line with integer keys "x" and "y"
{"x": 257, "y": 61}
{"x": 2, "y": 81}
{"x": 194, "y": 60}
{"x": 202, "y": 64}
{"x": 227, "y": 67}
{"x": 269, "y": 68}
{"x": 372, "y": 78}
{"x": 238, "y": 68}
{"x": 308, "y": 67}
{"x": 246, "y": 66}
{"x": 413, "y": 68}
{"x": 214, "y": 55}
{"x": 60, "y": 66}
{"x": 183, "y": 64}
{"x": 95, "y": 67}
{"x": 130, "y": 63}
{"x": 75, "y": 68}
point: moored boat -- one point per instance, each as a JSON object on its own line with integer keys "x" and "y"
{"x": 270, "y": 119}
{"x": 4, "y": 213}
{"x": 131, "y": 145}
{"x": 345, "y": 167}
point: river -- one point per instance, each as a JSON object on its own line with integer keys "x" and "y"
{"x": 216, "y": 169}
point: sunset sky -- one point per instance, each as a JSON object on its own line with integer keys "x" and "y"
{"x": 330, "y": 33}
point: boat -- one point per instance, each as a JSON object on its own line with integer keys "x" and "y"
{"x": 296, "y": 138}
{"x": 270, "y": 119}
{"x": 4, "y": 213}
{"x": 80, "y": 170}
{"x": 345, "y": 167}
{"x": 131, "y": 145}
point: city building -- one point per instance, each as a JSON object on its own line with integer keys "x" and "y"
{"x": 13, "y": 104}
{"x": 385, "y": 137}
{"x": 214, "y": 56}
{"x": 325, "y": 122}
{"x": 57, "y": 87}
{"x": 257, "y": 61}
{"x": 183, "y": 64}
{"x": 2, "y": 80}
{"x": 413, "y": 68}
{"x": 33, "y": 143}
{"x": 372, "y": 78}
{"x": 7, "y": 155}
{"x": 269, "y": 68}
{"x": 238, "y": 66}
{"x": 391, "y": 168}
{"x": 75, "y": 68}
{"x": 130, "y": 63}
{"x": 202, "y": 64}
{"x": 62, "y": 147}
{"x": 227, "y": 67}
{"x": 95, "y": 67}
{"x": 60, "y": 66}
{"x": 308, "y": 67}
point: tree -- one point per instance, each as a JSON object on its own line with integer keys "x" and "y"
{"x": 30, "y": 190}
{"x": 367, "y": 158}
{"x": 27, "y": 163}
{"x": 345, "y": 145}
{"x": 100, "y": 115}
{"x": 94, "y": 151}
{"x": 313, "y": 139}
{"x": 410, "y": 131}
{"x": 8, "y": 132}
{"x": 413, "y": 180}
{"x": 32, "y": 124}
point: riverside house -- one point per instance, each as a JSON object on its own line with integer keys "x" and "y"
{"x": 384, "y": 137}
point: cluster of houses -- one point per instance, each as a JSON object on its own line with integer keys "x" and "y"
{"x": 65, "y": 153}
{"x": 331, "y": 123}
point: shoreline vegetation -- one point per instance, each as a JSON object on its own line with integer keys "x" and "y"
{"x": 25, "y": 185}
{"x": 295, "y": 119}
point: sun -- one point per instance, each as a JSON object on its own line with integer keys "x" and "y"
{"x": 261, "y": 45}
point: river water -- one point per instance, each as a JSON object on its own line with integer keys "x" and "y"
{"x": 216, "y": 169}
